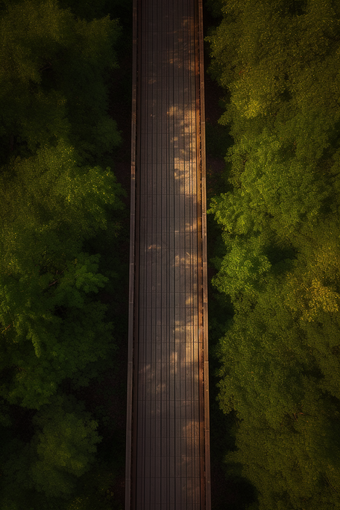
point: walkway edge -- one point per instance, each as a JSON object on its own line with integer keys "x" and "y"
{"x": 128, "y": 457}
{"x": 204, "y": 260}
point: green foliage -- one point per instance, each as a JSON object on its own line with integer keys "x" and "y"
{"x": 56, "y": 197}
{"x": 60, "y": 451}
{"x": 86, "y": 9}
{"x": 52, "y": 79}
{"x": 280, "y": 355}
{"x": 5, "y": 420}
{"x": 94, "y": 488}
{"x": 292, "y": 460}
{"x": 47, "y": 312}
{"x": 215, "y": 7}
{"x": 52, "y": 203}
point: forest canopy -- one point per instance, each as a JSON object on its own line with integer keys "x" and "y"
{"x": 57, "y": 194}
{"x": 278, "y": 62}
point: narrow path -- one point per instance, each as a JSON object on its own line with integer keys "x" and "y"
{"x": 168, "y": 454}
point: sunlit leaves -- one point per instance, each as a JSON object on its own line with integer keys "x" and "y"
{"x": 56, "y": 195}
{"x": 48, "y": 199}
{"x": 280, "y": 356}
{"x": 46, "y": 347}
{"x": 243, "y": 267}
{"x": 51, "y": 202}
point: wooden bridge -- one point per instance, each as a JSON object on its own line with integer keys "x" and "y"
{"x": 167, "y": 446}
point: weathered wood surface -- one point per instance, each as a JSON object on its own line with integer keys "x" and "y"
{"x": 167, "y": 463}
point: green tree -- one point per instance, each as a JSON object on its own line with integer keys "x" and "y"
{"x": 52, "y": 327}
{"x": 51, "y": 201}
{"x": 58, "y": 194}
{"x": 53, "y": 79}
{"x": 60, "y": 451}
{"x": 280, "y": 355}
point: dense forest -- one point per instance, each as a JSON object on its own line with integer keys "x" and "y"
{"x": 64, "y": 226}
{"x": 273, "y": 167}
{"x": 276, "y": 251}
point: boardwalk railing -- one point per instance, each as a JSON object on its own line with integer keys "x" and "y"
{"x": 167, "y": 440}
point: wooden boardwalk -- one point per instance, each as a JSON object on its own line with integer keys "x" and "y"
{"x": 167, "y": 447}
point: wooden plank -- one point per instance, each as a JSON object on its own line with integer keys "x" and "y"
{"x": 204, "y": 264}
{"x": 169, "y": 429}
{"x": 131, "y": 374}
{"x": 142, "y": 382}
{"x": 170, "y": 264}
{"x": 147, "y": 177}
{"x": 185, "y": 354}
{"x": 163, "y": 498}
{"x": 162, "y": 503}
{"x": 196, "y": 261}
{"x": 200, "y": 282}
{"x": 190, "y": 259}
